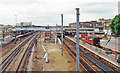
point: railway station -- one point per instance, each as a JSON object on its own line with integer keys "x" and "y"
{"x": 85, "y": 45}
{"x": 42, "y": 51}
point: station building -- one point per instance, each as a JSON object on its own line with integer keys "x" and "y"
{"x": 89, "y": 24}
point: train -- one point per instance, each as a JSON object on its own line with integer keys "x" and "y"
{"x": 59, "y": 34}
{"x": 87, "y": 35}
{"x": 18, "y": 36}
{"x": 93, "y": 41}
{"x": 20, "y": 32}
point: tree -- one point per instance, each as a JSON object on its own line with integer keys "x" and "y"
{"x": 1, "y": 24}
{"x": 115, "y": 25}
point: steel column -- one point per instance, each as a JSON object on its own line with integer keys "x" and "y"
{"x": 61, "y": 34}
{"x": 77, "y": 34}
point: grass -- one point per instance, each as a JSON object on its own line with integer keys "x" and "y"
{"x": 59, "y": 57}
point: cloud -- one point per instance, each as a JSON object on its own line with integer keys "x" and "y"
{"x": 46, "y": 12}
{"x": 22, "y": 1}
{"x": 100, "y": 7}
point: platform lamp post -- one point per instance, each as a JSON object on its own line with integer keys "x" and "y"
{"x": 94, "y": 30}
{"x": 56, "y": 33}
{"x": 77, "y": 34}
{"x": 16, "y": 19}
{"x": 61, "y": 34}
{"x": 115, "y": 48}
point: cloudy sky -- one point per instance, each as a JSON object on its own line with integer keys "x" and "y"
{"x": 44, "y": 12}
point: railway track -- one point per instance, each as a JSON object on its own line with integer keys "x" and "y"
{"x": 5, "y": 48}
{"x": 23, "y": 63}
{"x": 94, "y": 64}
{"x": 13, "y": 40}
{"x": 87, "y": 66}
{"x": 4, "y": 51}
{"x": 114, "y": 67}
{"x": 7, "y": 62}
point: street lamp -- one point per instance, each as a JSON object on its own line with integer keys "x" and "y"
{"x": 16, "y": 19}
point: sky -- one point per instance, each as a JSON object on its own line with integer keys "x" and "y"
{"x": 48, "y": 12}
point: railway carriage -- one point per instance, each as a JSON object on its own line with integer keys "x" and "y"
{"x": 59, "y": 34}
{"x": 93, "y": 40}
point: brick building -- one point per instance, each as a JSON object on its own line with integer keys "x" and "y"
{"x": 89, "y": 24}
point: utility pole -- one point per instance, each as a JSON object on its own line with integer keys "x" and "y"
{"x": 77, "y": 34}
{"x": 62, "y": 34}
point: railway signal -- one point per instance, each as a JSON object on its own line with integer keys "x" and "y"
{"x": 77, "y": 34}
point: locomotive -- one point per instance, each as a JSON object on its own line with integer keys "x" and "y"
{"x": 93, "y": 40}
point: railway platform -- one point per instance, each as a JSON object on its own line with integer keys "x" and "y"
{"x": 108, "y": 57}
{"x": 111, "y": 44}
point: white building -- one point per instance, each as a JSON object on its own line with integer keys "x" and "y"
{"x": 25, "y": 23}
